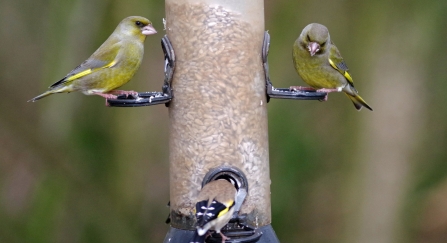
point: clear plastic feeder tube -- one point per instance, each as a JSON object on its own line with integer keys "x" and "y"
{"x": 218, "y": 115}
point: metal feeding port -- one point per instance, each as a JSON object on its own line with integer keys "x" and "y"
{"x": 152, "y": 98}
{"x": 284, "y": 93}
{"x": 237, "y": 229}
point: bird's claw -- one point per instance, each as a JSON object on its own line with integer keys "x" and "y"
{"x": 124, "y": 92}
{"x": 325, "y": 97}
{"x": 300, "y": 88}
{"x": 328, "y": 90}
{"x": 106, "y": 96}
{"x": 224, "y": 238}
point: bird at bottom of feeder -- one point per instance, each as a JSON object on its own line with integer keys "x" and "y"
{"x": 320, "y": 64}
{"x": 112, "y": 65}
{"x": 214, "y": 208}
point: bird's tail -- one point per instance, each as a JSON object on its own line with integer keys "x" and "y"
{"x": 49, "y": 92}
{"x": 358, "y": 102}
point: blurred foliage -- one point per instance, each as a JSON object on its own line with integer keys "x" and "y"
{"x": 72, "y": 170}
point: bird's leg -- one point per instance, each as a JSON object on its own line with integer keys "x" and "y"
{"x": 325, "y": 98}
{"x": 208, "y": 234}
{"x": 328, "y": 90}
{"x": 125, "y": 92}
{"x": 301, "y": 88}
{"x": 224, "y": 238}
{"x": 106, "y": 96}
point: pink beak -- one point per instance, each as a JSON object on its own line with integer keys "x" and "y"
{"x": 313, "y": 48}
{"x": 148, "y": 30}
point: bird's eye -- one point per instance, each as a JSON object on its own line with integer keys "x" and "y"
{"x": 322, "y": 44}
{"x": 308, "y": 38}
{"x": 138, "y": 23}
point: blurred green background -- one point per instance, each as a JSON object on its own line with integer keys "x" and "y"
{"x": 72, "y": 170}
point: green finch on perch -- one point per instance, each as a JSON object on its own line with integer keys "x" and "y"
{"x": 320, "y": 64}
{"x": 112, "y": 65}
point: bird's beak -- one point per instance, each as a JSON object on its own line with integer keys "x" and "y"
{"x": 313, "y": 48}
{"x": 148, "y": 30}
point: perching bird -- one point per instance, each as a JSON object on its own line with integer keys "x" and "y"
{"x": 214, "y": 208}
{"x": 319, "y": 63}
{"x": 112, "y": 65}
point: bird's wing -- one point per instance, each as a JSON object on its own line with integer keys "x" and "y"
{"x": 337, "y": 62}
{"x": 104, "y": 57}
{"x": 205, "y": 213}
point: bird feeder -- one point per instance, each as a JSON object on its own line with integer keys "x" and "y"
{"x": 217, "y": 87}
{"x": 219, "y": 114}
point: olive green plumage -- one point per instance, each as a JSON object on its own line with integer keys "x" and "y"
{"x": 112, "y": 65}
{"x": 319, "y": 63}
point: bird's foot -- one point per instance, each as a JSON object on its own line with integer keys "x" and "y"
{"x": 106, "y": 96}
{"x": 124, "y": 92}
{"x": 224, "y": 238}
{"x": 301, "y": 88}
{"x": 328, "y": 90}
{"x": 325, "y": 98}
